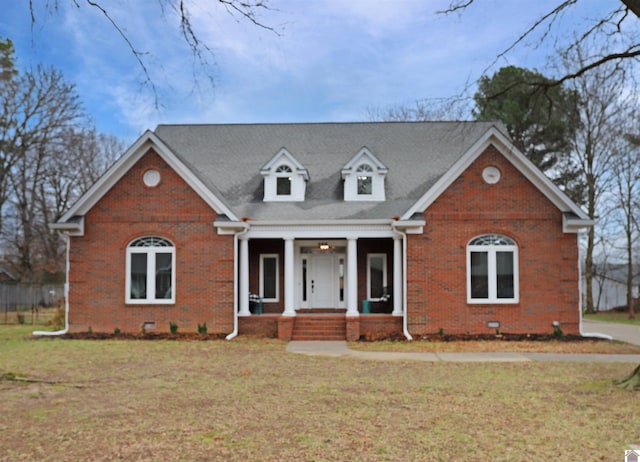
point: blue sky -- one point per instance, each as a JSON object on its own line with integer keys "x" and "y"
{"x": 331, "y": 60}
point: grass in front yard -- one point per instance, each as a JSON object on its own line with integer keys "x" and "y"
{"x": 595, "y": 346}
{"x": 249, "y": 399}
{"x": 613, "y": 316}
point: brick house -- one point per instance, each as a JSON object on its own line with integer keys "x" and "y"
{"x": 351, "y": 229}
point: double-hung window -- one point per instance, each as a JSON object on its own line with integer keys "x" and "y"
{"x": 492, "y": 270}
{"x": 150, "y": 272}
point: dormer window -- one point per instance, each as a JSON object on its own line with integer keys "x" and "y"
{"x": 364, "y": 178}
{"x": 285, "y": 179}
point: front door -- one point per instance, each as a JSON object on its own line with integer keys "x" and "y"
{"x": 323, "y": 281}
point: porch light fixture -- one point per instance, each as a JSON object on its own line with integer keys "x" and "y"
{"x": 324, "y": 246}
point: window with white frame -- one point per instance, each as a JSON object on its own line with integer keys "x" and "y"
{"x": 150, "y": 271}
{"x": 269, "y": 277}
{"x": 492, "y": 270}
{"x": 376, "y": 275}
{"x": 283, "y": 180}
{"x": 365, "y": 180}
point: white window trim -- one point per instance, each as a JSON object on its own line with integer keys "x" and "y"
{"x": 151, "y": 283}
{"x": 363, "y": 171}
{"x": 370, "y": 256}
{"x": 277, "y": 258}
{"x": 288, "y": 174}
{"x": 491, "y": 251}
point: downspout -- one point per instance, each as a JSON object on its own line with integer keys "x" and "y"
{"x": 236, "y": 237}
{"x": 581, "y": 296}
{"x": 66, "y": 300}
{"x": 405, "y": 329}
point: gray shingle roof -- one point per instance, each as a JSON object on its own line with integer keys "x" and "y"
{"x": 228, "y": 158}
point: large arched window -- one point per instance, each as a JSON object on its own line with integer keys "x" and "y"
{"x": 492, "y": 270}
{"x": 150, "y": 274}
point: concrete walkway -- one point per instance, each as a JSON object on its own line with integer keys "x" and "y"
{"x": 623, "y": 332}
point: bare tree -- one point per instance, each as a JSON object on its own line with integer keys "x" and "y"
{"x": 202, "y": 52}
{"x": 602, "y": 114}
{"x": 422, "y": 110}
{"x": 627, "y": 185}
{"x": 612, "y": 28}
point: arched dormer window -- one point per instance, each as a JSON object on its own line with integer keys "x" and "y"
{"x": 285, "y": 179}
{"x": 364, "y": 177}
{"x": 150, "y": 271}
{"x": 492, "y": 269}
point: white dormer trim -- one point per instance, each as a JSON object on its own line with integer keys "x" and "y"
{"x": 364, "y": 178}
{"x": 285, "y": 179}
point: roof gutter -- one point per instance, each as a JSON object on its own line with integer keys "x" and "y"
{"x": 243, "y": 230}
{"x": 45, "y": 333}
{"x": 403, "y": 234}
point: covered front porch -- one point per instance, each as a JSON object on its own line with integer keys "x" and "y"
{"x": 348, "y": 276}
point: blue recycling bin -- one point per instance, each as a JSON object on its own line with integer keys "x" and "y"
{"x": 366, "y": 306}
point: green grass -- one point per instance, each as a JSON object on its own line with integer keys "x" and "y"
{"x": 610, "y": 316}
{"x": 251, "y": 400}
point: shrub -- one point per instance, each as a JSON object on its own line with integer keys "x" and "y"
{"x": 173, "y": 327}
{"x": 557, "y": 332}
{"x": 57, "y": 321}
{"x": 202, "y": 328}
{"x": 116, "y": 331}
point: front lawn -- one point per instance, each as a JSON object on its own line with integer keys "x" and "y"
{"x": 613, "y": 316}
{"x": 249, "y": 399}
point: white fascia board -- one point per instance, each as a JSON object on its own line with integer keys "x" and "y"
{"x": 575, "y": 225}
{"x": 70, "y": 228}
{"x": 321, "y": 229}
{"x": 410, "y": 226}
{"x": 513, "y": 155}
{"x": 230, "y": 227}
{"x": 147, "y": 141}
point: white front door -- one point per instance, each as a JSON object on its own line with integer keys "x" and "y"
{"x": 323, "y": 281}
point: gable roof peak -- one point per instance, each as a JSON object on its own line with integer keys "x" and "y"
{"x": 283, "y": 155}
{"x": 364, "y": 155}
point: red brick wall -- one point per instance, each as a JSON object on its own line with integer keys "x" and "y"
{"x": 204, "y": 260}
{"x": 548, "y": 258}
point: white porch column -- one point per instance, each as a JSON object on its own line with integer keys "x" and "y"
{"x": 289, "y": 278}
{"x": 352, "y": 277}
{"x": 397, "y": 276}
{"x": 243, "y": 296}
